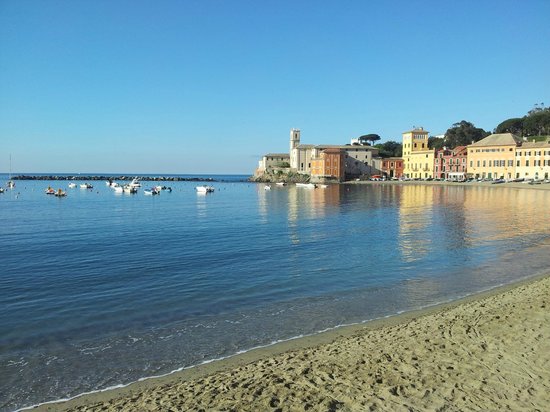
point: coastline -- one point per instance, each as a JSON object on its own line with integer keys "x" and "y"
{"x": 515, "y": 185}
{"x": 375, "y": 361}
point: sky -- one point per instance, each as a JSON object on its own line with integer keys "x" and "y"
{"x": 208, "y": 87}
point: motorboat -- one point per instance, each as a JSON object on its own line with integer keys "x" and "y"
{"x": 50, "y": 191}
{"x": 1, "y": 190}
{"x": 72, "y": 185}
{"x": 204, "y": 189}
{"x": 152, "y": 191}
{"x": 118, "y": 188}
{"x": 86, "y": 186}
{"x": 129, "y": 189}
{"x": 135, "y": 182}
{"x": 306, "y": 185}
{"x": 280, "y": 184}
{"x": 267, "y": 187}
{"x": 60, "y": 193}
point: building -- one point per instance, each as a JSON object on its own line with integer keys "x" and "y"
{"x": 328, "y": 166}
{"x": 417, "y": 156}
{"x": 451, "y": 164}
{"x": 532, "y": 160}
{"x": 272, "y": 162}
{"x": 391, "y": 167}
{"x": 493, "y": 157}
{"x": 358, "y": 160}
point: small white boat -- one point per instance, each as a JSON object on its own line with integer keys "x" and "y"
{"x": 306, "y": 185}
{"x": 50, "y": 191}
{"x": 60, "y": 193}
{"x": 135, "y": 182}
{"x": 1, "y": 190}
{"x": 118, "y": 189}
{"x": 86, "y": 186}
{"x": 204, "y": 189}
{"x": 152, "y": 191}
{"x": 129, "y": 189}
{"x": 11, "y": 184}
{"x": 267, "y": 187}
{"x": 72, "y": 185}
{"x": 280, "y": 184}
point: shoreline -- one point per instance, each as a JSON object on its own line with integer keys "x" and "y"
{"x": 125, "y": 396}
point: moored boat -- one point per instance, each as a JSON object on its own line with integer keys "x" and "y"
{"x": 267, "y": 187}
{"x": 60, "y": 193}
{"x": 86, "y": 186}
{"x": 50, "y": 191}
{"x": 152, "y": 191}
{"x": 306, "y": 185}
{"x": 72, "y": 185}
{"x": 204, "y": 189}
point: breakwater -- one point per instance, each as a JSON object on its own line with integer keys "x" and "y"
{"x": 121, "y": 177}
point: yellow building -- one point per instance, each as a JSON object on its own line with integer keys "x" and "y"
{"x": 417, "y": 157}
{"x": 493, "y": 157}
{"x": 533, "y": 160}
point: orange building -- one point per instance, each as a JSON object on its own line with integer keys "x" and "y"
{"x": 329, "y": 165}
{"x": 392, "y": 167}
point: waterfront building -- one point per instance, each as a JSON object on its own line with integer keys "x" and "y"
{"x": 328, "y": 166}
{"x": 272, "y": 162}
{"x": 358, "y": 160}
{"x": 532, "y": 160}
{"x": 390, "y": 167}
{"x": 493, "y": 157}
{"x": 417, "y": 156}
{"x": 451, "y": 164}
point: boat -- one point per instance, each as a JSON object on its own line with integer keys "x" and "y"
{"x": 60, "y": 193}
{"x": 152, "y": 191}
{"x": 267, "y": 187}
{"x": 129, "y": 189}
{"x": 86, "y": 186}
{"x": 280, "y": 184}
{"x": 50, "y": 191}
{"x": 204, "y": 189}
{"x": 118, "y": 189}
{"x": 72, "y": 185}
{"x": 135, "y": 182}
{"x": 323, "y": 186}
{"x": 306, "y": 185}
{"x": 11, "y": 183}
{"x": 1, "y": 190}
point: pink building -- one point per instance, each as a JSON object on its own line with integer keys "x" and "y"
{"x": 450, "y": 164}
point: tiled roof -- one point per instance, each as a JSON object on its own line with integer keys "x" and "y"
{"x": 277, "y": 155}
{"x": 499, "y": 139}
{"x": 535, "y": 145}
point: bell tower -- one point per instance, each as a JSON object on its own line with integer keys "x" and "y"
{"x": 294, "y": 143}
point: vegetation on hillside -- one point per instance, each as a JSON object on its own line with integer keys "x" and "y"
{"x": 535, "y": 123}
{"x": 390, "y": 149}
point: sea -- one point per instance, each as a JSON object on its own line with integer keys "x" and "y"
{"x": 99, "y": 289}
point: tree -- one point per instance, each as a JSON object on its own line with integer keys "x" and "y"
{"x": 369, "y": 138}
{"x": 537, "y": 123}
{"x": 514, "y": 126}
{"x": 463, "y": 134}
{"x": 390, "y": 149}
{"x": 436, "y": 142}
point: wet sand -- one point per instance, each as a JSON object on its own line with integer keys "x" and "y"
{"x": 487, "y": 352}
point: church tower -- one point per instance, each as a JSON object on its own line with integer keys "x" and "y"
{"x": 294, "y": 143}
{"x": 294, "y": 138}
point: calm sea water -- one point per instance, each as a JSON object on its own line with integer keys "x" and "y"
{"x": 99, "y": 289}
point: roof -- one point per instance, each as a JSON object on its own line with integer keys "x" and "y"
{"x": 498, "y": 139}
{"x": 535, "y": 145}
{"x": 459, "y": 149}
{"x": 305, "y": 146}
{"x": 277, "y": 155}
{"x": 417, "y": 130}
{"x": 345, "y": 147}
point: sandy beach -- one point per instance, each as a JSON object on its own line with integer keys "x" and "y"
{"x": 489, "y": 352}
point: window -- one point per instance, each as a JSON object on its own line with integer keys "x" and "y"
{"x": 484, "y": 164}
{"x": 527, "y": 163}
{"x": 471, "y": 163}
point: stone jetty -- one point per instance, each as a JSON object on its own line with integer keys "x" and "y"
{"x": 122, "y": 177}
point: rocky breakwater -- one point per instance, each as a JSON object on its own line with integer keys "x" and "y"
{"x": 122, "y": 177}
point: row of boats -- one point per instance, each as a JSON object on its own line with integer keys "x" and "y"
{"x": 304, "y": 185}
{"x": 131, "y": 188}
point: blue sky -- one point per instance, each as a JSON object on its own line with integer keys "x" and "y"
{"x": 209, "y": 86}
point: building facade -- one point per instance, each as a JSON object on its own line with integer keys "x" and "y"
{"x": 532, "y": 160}
{"x": 418, "y": 158}
{"x": 451, "y": 164}
{"x": 493, "y": 157}
{"x": 391, "y": 167}
{"x": 271, "y": 162}
{"x": 328, "y": 166}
